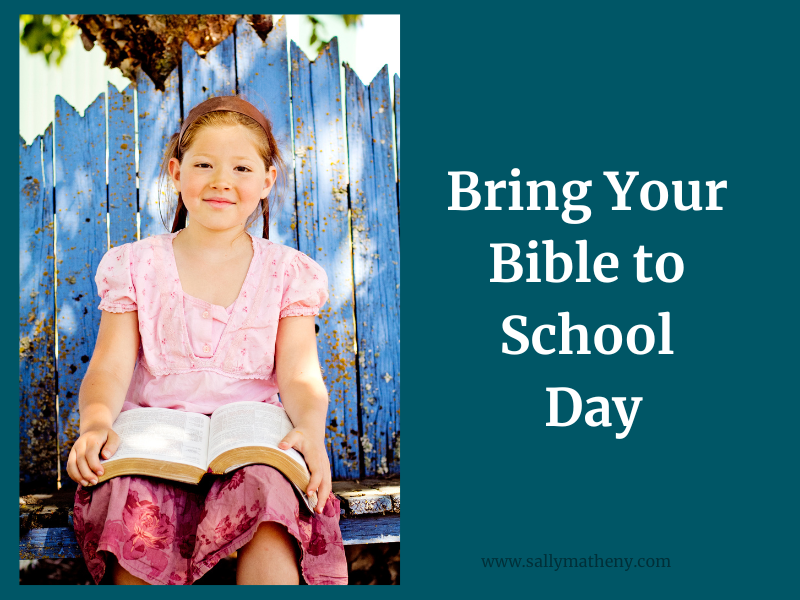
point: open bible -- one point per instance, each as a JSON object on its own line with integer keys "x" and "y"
{"x": 184, "y": 446}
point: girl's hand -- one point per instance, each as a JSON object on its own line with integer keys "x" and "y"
{"x": 313, "y": 450}
{"x": 83, "y": 464}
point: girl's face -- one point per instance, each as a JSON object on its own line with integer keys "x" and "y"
{"x": 222, "y": 177}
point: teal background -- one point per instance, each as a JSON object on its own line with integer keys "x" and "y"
{"x": 707, "y": 476}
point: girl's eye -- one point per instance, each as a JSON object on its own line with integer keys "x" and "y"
{"x": 202, "y": 165}
{"x": 243, "y": 169}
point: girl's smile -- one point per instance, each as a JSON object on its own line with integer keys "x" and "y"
{"x": 219, "y": 202}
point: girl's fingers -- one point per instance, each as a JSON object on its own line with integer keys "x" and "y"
{"x": 112, "y": 443}
{"x": 83, "y": 464}
{"x": 316, "y": 479}
{"x": 87, "y": 476}
{"x": 72, "y": 470}
{"x": 292, "y": 438}
{"x": 72, "y": 465}
{"x": 320, "y": 480}
{"x": 93, "y": 458}
{"x": 322, "y": 495}
{"x": 318, "y": 465}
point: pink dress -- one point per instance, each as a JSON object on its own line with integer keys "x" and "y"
{"x": 196, "y": 356}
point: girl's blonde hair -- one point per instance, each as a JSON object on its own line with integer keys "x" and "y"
{"x": 267, "y": 148}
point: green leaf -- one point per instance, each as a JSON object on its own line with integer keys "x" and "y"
{"x": 47, "y": 34}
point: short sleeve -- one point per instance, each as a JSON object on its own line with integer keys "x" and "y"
{"x": 114, "y": 281}
{"x": 305, "y": 288}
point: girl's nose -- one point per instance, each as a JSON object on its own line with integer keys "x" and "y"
{"x": 220, "y": 181}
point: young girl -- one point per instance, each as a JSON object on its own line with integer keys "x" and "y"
{"x": 194, "y": 320}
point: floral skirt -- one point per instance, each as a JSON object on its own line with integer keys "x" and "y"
{"x": 171, "y": 533}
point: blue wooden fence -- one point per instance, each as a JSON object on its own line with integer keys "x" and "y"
{"x": 325, "y": 206}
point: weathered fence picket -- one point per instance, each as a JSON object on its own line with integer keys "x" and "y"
{"x": 37, "y": 365}
{"x": 376, "y": 265}
{"x": 81, "y": 241}
{"x": 158, "y": 113}
{"x": 96, "y": 203}
{"x": 121, "y": 167}
{"x": 211, "y": 75}
{"x": 323, "y": 233}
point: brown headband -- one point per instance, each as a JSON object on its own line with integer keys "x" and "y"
{"x": 220, "y": 103}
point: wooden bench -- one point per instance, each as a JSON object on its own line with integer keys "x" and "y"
{"x": 370, "y": 514}
{"x": 340, "y": 206}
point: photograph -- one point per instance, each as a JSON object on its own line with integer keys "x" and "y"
{"x": 209, "y": 314}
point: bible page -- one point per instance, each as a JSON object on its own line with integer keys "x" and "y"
{"x": 163, "y": 434}
{"x": 249, "y": 424}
